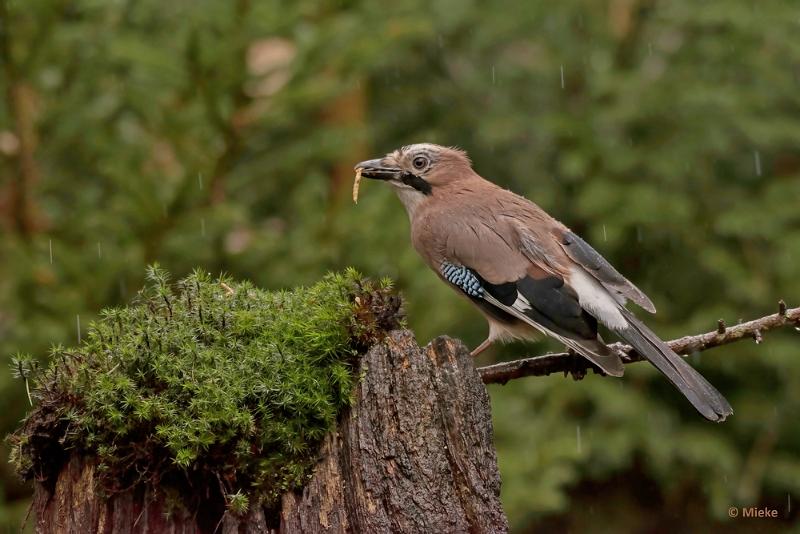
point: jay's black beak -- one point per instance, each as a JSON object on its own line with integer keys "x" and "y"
{"x": 375, "y": 169}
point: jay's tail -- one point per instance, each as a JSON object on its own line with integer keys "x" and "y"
{"x": 703, "y": 396}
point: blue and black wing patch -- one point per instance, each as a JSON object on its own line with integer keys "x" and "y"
{"x": 462, "y": 278}
{"x": 548, "y": 302}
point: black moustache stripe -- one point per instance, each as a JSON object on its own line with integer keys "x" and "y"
{"x": 416, "y": 182}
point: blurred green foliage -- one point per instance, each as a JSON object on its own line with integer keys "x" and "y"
{"x": 223, "y": 134}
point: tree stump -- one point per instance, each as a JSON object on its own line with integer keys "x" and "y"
{"x": 413, "y": 454}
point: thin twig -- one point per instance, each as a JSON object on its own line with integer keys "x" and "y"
{"x": 547, "y": 364}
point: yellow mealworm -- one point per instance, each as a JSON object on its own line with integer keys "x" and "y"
{"x": 356, "y": 183}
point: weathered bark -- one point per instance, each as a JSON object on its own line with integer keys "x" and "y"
{"x": 414, "y": 454}
{"x": 74, "y": 507}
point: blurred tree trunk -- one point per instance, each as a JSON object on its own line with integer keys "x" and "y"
{"x": 414, "y": 454}
{"x": 18, "y": 207}
{"x": 347, "y": 112}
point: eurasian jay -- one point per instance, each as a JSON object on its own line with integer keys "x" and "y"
{"x": 525, "y": 271}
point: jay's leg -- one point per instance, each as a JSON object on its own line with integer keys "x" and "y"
{"x": 482, "y": 347}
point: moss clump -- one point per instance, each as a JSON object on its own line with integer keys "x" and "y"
{"x": 209, "y": 382}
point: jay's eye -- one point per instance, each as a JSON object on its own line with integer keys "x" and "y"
{"x": 420, "y": 162}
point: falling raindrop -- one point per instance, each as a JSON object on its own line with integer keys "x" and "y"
{"x": 493, "y": 76}
{"x": 99, "y": 251}
{"x": 78, "y": 325}
{"x": 639, "y": 236}
{"x": 562, "y": 76}
{"x": 757, "y": 161}
{"x": 200, "y": 180}
{"x": 788, "y": 504}
{"x": 578, "y": 437}
{"x": 203, "y": 227}
{"x": 605, "y": 236}
{"x": 51, "y": 252}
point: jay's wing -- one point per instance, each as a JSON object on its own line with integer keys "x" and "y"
{"x": 485, "y": 262}
{"x": 596, "y": 265}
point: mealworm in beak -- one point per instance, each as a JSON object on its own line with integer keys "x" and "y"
{"x": 356, "y": 183}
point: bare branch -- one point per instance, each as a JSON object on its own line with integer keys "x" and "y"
{"x": 576, "y": 365}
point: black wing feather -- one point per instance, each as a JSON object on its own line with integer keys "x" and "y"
{"x": 547, "y": 304}
{"x": 552, "y": 304}
{"x": 596, "y": 265}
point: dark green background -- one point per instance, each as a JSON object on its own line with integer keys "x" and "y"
{"x": 222, "y": 135}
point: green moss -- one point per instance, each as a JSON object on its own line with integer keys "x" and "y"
{"x": 238, "y": 503}
{"x": 207, "y": 382}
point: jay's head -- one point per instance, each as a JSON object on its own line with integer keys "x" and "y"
{"x": 416, "y": 171}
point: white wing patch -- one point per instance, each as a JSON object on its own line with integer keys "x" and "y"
{"x": 522, "y": 304}
{"x": 596, "y": 299}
